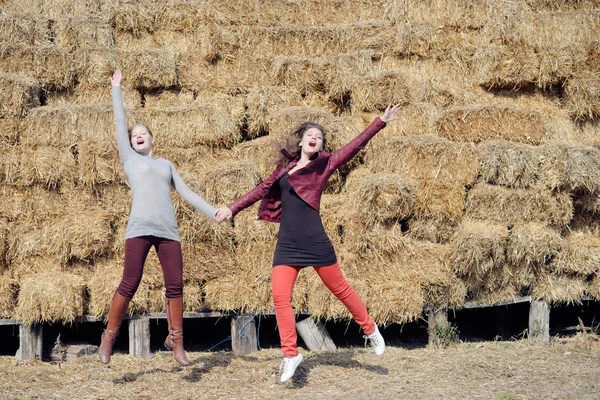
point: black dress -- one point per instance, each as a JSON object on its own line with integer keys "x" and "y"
{"x": 302, "y": 240}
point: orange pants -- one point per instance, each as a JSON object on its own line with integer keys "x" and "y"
{"x": 282, "y": 281}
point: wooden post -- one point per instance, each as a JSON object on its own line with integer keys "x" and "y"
{"x": 437, "y": 322}
{"x": 30, "y": 342}
{"x": 243, "y": 335}
{"x": 315, "y": 335}
{"x": 139, "y": 338}
{"x": 539, "y": 322}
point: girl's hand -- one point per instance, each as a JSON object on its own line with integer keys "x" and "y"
{"x": 223, "y": 213}
{"x": 116, "y": 78}
{"x": 391, "y": 113}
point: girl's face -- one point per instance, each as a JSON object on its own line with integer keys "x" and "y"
{"x": 312, "y": 141}
{"x": 141, "y": 140}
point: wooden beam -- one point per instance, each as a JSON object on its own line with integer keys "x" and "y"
{"x": 437, "y": 322}
{"x": 30, "y": 342}
{"x": 139, "y": 338}
{"x": 539, "y": 322}
{"x": 243, "y": 335}
{"x": 315, "y": 335}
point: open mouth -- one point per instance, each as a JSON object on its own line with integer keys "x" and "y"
{"x": 312, "y": 143}
{"x": 140, "y": 142}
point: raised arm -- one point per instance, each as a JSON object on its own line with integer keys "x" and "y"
{"x": 188, "y": 195}
{"x": 123, "y": 144}
{"x": 347, "y": 152}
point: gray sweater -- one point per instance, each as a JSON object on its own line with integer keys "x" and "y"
{"x": 150, "y": 180}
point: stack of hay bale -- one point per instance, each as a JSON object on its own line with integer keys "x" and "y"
{"x": 486, "y": 189}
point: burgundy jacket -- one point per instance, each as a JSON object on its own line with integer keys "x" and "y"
{"x": 308, "y": 182}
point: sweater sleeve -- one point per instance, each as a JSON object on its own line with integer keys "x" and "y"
{"x": 188, "y": 195}
{"x": 255, "y": 194}
{"x": 123, "y": 143}
{"x": 347, "y": 152}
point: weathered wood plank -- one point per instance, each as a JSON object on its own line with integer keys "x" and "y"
{"x": 437, "y": 322}
{"x": 315, "y": 335}
{"x": 539, "y": 322}
{"x": 30, "y": 342}
{"x": 139, "y": 338}
{"x": 243, "y": 335}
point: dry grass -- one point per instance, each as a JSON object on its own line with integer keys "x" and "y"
{"x": 83, "y": 32}
{"x": 559, "y": 288}
{"x": 9, "y": 289}
{"x": 581, "y": 96}
{"x": 51, "y": 297}
{"x": 509, "y": 164}
{"x": 201, "y": 124}
{"x": 566, "y": 369}
{"x": 431, "y": 229}
{"x": 47, "y": 166}
{"x": 25, "y": 28}
{"x": 530, "y": 246}
{"x": 513, "y": 206}
{"x": 149, "y": 69}
{"x": 570, "y": 167}
{"x": 579, "y": 255}
{"x": 483, "y": 123}
{"x": 379, "y": 89}
{"x": 424, "y": 157}
{"x": 52, "y": 67}
{"x": 18, "y": 95}
{"x": 379, "y": 198}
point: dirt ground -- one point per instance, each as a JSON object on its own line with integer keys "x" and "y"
{"x": 566, "y": 369}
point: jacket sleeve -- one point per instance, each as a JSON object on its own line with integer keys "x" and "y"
{"x": 346, "y": 153}
{"x": 123, "y": 144}
{"x": 255, "y": 194}
{"x": 188, "y": 195}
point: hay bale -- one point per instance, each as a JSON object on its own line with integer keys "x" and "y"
{"x": 379, "y": 198}
{"x": 424, "y": 157}
{"x": 377, "y": 244}
{"x": 531, "y": 245}
{"x": 47, "y": 166}
{"x": 395, "y": 301}
{"x": 34, "y": 203}
{"x": 82, "y": 31}
{"x": 581, "y": 96}
{"x": 88, "y": 95}
{"x": 51, "y": 66}
{"x": 104, "y": 281}
{"x": 472, "y": 14}
{"x": 202, "y": 124}
{"x": 506, "y": 67}
{"x": 249, "y": 230}
{"x": 67, "y": 125}
{"x": 9, "y": 289}
{"x": 439, "y": 201}
{"x": 24, "y": 28}
{"x": 509, "y": 164}
{"x": 378, "y": 90}
{"x": 11, "y": 129}
{"x": 18, "y": 95}
{"x": 579, "y": 255}
{"x": 478, "y": 247}
{"x": 54, "y": 9}
{"x": 431, "y": 229}
{"x": 75, "y": 236}
{"x": 192, "y": 295}
{"x": 593, "y": 287}
{"x": 513, "y": 206}
{"x": 570, "y": 168}
{"x": 265, "y": 101}
{"x": 10, "y": 160}
{"x": 260, "y": 152}
{"x": 482, "y": 123}
{"x": 51, "y": 297}
{"x": 149, "y": 69}
{"x": 559, "y": 289}
{"x": 98, "y": 164}
{"x": 93, "y": 69}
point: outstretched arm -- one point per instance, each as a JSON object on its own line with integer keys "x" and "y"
{"x": 347, "y": 152}
{"x": 249, "y": 198}
{"x": 188, "y": 195}
{"x": 123, "y": 144}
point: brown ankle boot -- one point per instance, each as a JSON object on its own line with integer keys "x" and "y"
{"x": 174, "y": 341}
{"x": 118, "y": 309}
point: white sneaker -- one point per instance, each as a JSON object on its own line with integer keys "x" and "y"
{"x": 377, "y": 341}
{"x": 288, "y": 367}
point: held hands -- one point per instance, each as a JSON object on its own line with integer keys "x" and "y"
{"x": 391, "y": 113}
{"x": 116, "y": 78}
{"x": 223, "y": 213}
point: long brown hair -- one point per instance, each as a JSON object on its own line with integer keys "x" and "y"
{"x": 292, "y": 142}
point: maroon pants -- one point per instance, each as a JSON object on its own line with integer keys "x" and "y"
{"x": 171, "y": 260}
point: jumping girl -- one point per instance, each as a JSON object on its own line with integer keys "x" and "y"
{"x": 291, "y": 196}
{"x": 151, "y": 223}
